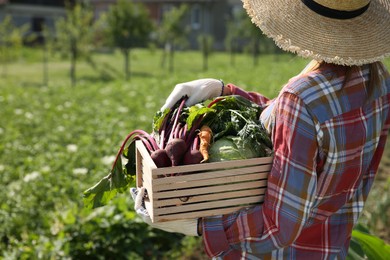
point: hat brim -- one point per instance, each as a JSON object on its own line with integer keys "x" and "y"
{"x": 296, "y": 28}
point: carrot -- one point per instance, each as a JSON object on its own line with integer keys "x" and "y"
{"x": 205, "y": 135}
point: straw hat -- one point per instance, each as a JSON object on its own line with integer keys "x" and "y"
{"x": 345, "y": 32}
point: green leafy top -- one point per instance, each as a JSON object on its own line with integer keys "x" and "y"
{"x": 237, "y": 116}
{"x": 107, "y": 188}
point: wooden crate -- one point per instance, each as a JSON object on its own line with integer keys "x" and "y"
{"x": 200, "y": 190}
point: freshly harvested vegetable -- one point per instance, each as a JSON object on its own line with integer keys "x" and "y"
{"x": 226, "y": 128}
{"x": 175, "y": 149}
{"x": 230, "y": 148}
{"x": 193, "y": 155}
{"x": 161, "y": 158}
{"x": 205, "y": 135}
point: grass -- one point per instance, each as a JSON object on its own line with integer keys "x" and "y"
{"x": 57, "y": 140}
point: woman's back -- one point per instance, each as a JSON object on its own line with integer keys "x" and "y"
{"x": 352, "y": 122}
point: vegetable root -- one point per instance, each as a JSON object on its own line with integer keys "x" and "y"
{"x": 205, "y": 135}
{"x": 176, "y": 149}
{"x": 161, "y": 158}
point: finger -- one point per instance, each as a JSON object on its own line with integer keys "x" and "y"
{"x": 169, "y": 102}
{"x": 133, "y": 193}
{"x": 195, "y": 98}
{"x": 139, "y": 198}
{"x": 165, "y": 106}
{"x": 178, "y": 92}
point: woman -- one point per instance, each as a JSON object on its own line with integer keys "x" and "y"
{"x": 328, "y": 125}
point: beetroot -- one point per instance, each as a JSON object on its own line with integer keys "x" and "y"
{"x": 192, "y": 157}
{"x": 161, "y": 158}
{"x": 176, "y": 148}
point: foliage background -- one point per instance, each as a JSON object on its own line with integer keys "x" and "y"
{"x": 57, "y": 140}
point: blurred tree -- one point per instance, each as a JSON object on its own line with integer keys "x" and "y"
{"x": 234, "y": 30}
{"x": 206, "y": 45}
{"x": 47, "y": 40}
{"x": 74, "y": 34}
{"x": 254, "y": 36}
{"x": 128, "y": 26}
{"x": 172, "y": 33}
{"x": 11, "y": 41}
{"x": 242, "y": 33}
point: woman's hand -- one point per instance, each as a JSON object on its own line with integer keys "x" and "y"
{"x": 196, "y": 91}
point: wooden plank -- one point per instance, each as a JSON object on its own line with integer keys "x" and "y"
{"x": 199, "y": 214}
{"x": 149, "y": 188}
{"x": 145, "y": 155}
{"x": 138, "y": 158}
{"x": 210, "y": 190}
{"x": 212, "y": 166}
{"x": 146, "y": 177}
{"x": 210, "y": 182}
{"x": 205, "y": 205}
{"x": 262, "y": 170}
{"x": 150, "y": 209}
{"x": 208, "y": 205}
{"x": 209, "y": 197}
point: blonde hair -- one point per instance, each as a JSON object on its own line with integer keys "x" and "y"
{"x": 311, "y": 66}
{"x": 373, "y": 80}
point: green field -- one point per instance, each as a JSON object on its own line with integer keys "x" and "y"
{"x": 57, "y": 140}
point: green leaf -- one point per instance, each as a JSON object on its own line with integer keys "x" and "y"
{"x": 106, "y": 189}
{"x": 355, "y": 251}
{"x": 373, "y": 247}
{"x": 158, "y": 119}
{"x": 129, "y": 153}
{"x": 194, "y": 113}
{"x": 99, "y": 194}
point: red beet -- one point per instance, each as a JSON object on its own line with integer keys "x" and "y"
{"x": 161, "y": 158}
{"x": 176, "y": 148}
{"x": 192, "y": 157}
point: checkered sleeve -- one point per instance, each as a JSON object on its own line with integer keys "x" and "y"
{"x": 290, "y": 194}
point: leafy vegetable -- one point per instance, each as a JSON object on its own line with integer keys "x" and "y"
{"x": 233, "y": 148}
{"x": 237, "y": 116}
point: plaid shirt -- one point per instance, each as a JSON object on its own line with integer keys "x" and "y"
{"x": 328, "y": 140}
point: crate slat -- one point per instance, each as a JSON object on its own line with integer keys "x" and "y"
{"x": 262, "y": 170}
{"x": 197, "y": 214}
{"x": 211, "y": 166}
{"x": 210, "y": 190}
{"x": 138, "y": 165}
{"x": 208, "y": 182}
{"x": 210, "y": 205}
{"x": 145, "y": 155}
{"x": 208, "y": 197}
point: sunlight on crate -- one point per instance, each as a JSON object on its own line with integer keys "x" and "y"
{"x": 200, "y": 190}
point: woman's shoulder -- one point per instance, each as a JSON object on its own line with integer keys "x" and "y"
{"x": 314, "y": 84}
{"x": 319, "y": 90}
